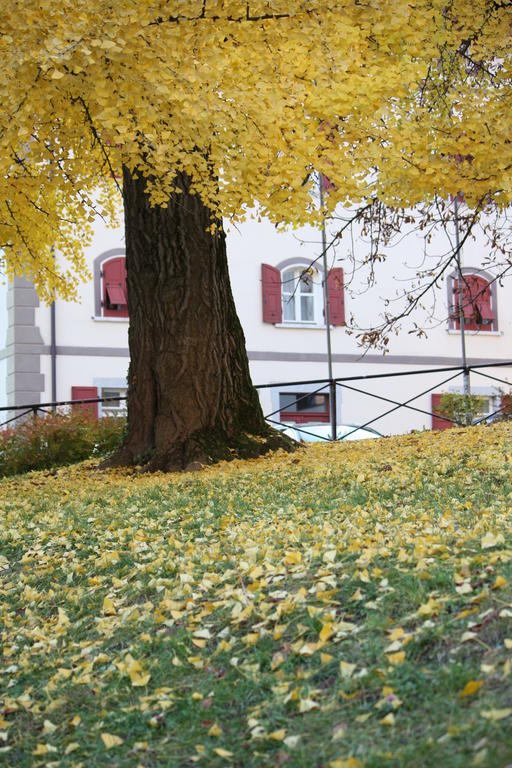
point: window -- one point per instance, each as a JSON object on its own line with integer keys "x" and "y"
{"x": 294, "y": 295}
{"x": 479, "y": 405}
{"x": 114, "y": 302}
{"x": 301, "y": 407}
{"x": 297, "y": 296}
{"x": 115, "y": 407}
{"x": 478, "y": 303}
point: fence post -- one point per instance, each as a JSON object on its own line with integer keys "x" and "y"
{"x": 34, "y": 412}
{"x": 332, "y": 398}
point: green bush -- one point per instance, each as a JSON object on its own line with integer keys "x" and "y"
{"x": 56, "y": 439}
{"x": 458, "y": 407}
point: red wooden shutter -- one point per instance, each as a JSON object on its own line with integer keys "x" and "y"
{"x": 336, "y": 296}
{"x": 115, "y": 303}
{"x": 85, "y": 393}
{"x": 476, "y": 300}
{"x": 326, "y": 183}
{"x": 483, "y": 303}
{"x": 271, "y": 294}
{"x": 437, "y": 421}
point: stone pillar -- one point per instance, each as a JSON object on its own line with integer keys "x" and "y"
{"x": 24, "y": 346}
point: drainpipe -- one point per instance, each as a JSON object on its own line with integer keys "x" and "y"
{"x": 53, "y": 354}
{"x": 327, "y": 317}
{"x": 467, "y": 386}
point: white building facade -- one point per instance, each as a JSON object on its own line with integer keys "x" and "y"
{"x": 80, "y": 350}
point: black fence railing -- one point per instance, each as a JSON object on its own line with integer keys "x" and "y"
{"x": 330, "y": 386}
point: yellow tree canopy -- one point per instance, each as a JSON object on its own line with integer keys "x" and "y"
{"x": 395, "y": 99}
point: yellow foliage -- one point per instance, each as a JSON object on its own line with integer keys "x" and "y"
{"x": 387, "y": 98}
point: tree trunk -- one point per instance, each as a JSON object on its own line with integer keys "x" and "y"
{"x": 190, "y": 396}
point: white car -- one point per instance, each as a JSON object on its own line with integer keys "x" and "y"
{"x": 318, "y": 433}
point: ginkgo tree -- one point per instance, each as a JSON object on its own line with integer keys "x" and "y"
{"x": 193, "y": 110}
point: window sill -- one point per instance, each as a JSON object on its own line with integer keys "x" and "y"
{"x": 110, "y": 319}
{"x": 310, "y": 326}
{"x": 456, "y": 332}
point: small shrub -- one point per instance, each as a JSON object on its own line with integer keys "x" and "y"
{"x": 57, "y": 439}
{"x": 461, "y": 407}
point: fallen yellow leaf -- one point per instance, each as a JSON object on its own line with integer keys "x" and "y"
{"x": 471, "y": 687}
{"x": 111, "y": 740}
{"x": 497, "y": 714}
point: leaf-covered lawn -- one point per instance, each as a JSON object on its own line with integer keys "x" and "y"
{"x": 349, "y": 605}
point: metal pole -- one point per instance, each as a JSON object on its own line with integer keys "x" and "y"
{"x": 467, "y": 385}
{"x": 327, "y": 316}
{"x": 53, "y": 353}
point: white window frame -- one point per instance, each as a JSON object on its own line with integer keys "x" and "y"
{"x": 494, "y": 330}
{"x": 302, "y": 389}
{"x": 288, "y": 290}
{"x": 119, "y": 385}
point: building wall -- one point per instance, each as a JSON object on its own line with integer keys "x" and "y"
{"x": 92, "y": 350}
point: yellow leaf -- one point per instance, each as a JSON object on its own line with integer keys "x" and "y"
{"x": 499, "y": 583}
{"x": 293, "y": 558}
{"x": 397, "y": 633}
{"x": 223, "y": 753}
{"x": 428, "y": 608}
{"x": 508, "y": 643}
{"x": 278, "y": 735}
{"x": 389, "y": 719}
{"x": 346, "y": 669}
{"x": 396, "y": 645}
{"x": 396, "y": 658}
{"x": 41, "y": 749}
{"x": 71, "y": 747}
{"x": 471, "y": 687}
{"x": 306, "y": 705}
{"x": 481, "y": 757}
{"x": 56, "y": 75}
{"x": 326, "y": 632}
{"x": 497, "y": 714}
{"x": 137, "y": 675}
{"x": 308, "y": 649}
{"x": 215, "y": 730}
{"x": 111, "y": 740}
{"x": 349, "y": 762}
{"x": 325, "y": 658}
{"x": 491, "y": 540}
{"x": 338, "y": 733}
{"x": 108, "y": 607}
{"x": 48, "y": 727}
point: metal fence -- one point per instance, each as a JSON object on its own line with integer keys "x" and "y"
{"x": 332, "y": 387}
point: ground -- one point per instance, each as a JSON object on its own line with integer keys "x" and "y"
{"x": 343, "y": 606}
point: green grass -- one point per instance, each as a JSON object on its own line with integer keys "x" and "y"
{"x": 216, "y": 589}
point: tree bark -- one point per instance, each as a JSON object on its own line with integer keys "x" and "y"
{"x": 190, "y": 396}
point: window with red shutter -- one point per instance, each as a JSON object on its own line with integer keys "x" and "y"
{"x": 336, "y": 296}
{"x": 303, "y": 408}
{"x": 114, "y": 297}
{"x": 438, "y": 422}
{"x": 271, "y": 294}
{"x": 476, "y": 303}
{"x": 85, "y": 393}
